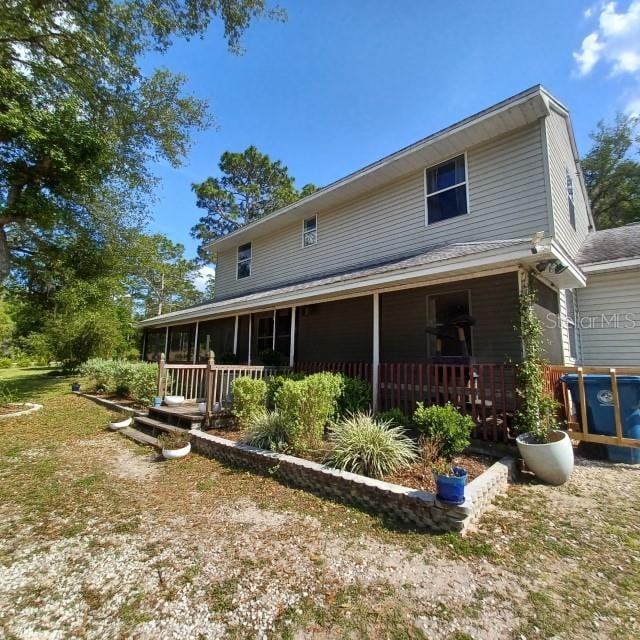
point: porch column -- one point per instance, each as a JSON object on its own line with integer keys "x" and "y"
{"x": 292, "y": 337}
{"x": 235, "y": 336}
{"x": 144, "y": 344}
{"x": 273, "y": 337}
{"x": 376, "y": 351}
{"x": 249, "y": 350}
{"x": 195, "y": 343}
{"x": 166, "y": 342}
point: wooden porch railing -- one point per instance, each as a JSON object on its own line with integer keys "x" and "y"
{"x": 360, "y": 370}
{"x": 486, "y": 392}
{"x": 210, "y": 382}
{"x": 577, "y": 415}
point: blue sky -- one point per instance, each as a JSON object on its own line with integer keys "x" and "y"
{"x": 344, "y": 82}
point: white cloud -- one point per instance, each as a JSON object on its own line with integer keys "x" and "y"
{"x": 204, "y": 273}
{"x": 615, "y": 43}
{"x": 588, "y": 56}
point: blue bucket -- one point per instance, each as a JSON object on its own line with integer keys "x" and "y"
{"x": 450, "y": 489}
{"x": 157, "y": 401}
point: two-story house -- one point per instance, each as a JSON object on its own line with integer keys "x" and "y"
{"x": 418, "y": 257}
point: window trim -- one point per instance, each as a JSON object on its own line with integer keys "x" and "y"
{"x": 459, "y": 184}
{"x": 304, "y": 221}
{"x": 249, "y": 260}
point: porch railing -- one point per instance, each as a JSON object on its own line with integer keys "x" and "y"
{"x": 577, "y": 415}
{"x": 486, "y": 392}
{"x": 210, "y": 382}
{"x": 360, "y": 370}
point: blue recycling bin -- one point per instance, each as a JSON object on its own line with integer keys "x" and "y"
{"x": 600, "y": 411}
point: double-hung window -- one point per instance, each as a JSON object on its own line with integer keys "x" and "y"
{"x": 570, "y": 198}
{"x": 570, "y": 298}
{"x": 446, "y": 190}
{"x": 310, "y": 231}
{"x": 244, "y": 261}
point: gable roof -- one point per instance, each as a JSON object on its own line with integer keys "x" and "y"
{"x": 610, "y": 245}
{"x": 515, "y": 112}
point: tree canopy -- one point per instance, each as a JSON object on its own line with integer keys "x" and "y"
{"x": 78, "y": 115}
{"x": 612, "y": 173}
{"x": 251, "y": 186}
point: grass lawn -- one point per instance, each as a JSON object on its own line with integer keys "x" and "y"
{"x": 100, "y": 539}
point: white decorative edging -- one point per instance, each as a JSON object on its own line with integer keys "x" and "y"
{"x": 32, "y": 407}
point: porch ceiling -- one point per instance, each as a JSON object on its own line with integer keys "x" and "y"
{"x": 437, "y": 264}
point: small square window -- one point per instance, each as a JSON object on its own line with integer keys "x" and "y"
{"x": 244, "y": 261}
{"x": 446, "y": 186}
{"x": 310, "y": 231}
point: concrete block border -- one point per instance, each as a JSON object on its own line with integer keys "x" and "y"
{"x": 30, "y": 407}
{"x": 409, "y": 507}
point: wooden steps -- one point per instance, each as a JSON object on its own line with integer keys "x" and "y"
{"x": 140, "y": 437}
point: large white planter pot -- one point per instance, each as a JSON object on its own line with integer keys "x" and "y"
{"x": 173, "y": 454}
{"x": 173, "y": 401}
{"x": 552, "y": 461}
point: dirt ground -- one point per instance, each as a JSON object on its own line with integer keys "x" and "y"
{"x": 101, "y": 539}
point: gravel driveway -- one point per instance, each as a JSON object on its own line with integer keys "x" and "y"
{"x": 99, "y": 539}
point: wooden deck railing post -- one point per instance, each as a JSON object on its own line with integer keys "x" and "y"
{"x": 583, "y": 401}
{"x": 616, "y": 404}
{"x": 161, "y": 376}
{"x": 208, "y": 383}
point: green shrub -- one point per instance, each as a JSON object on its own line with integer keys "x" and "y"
{"x": 135, "y": 380}
{"x": 274, "y": 384}
{"x": 308, "y": 405}
{"x": 143, "y": 385}
{"x": 446, "y": 425}
{"x": 271, "y": 431}
{"x": 249, "y": 399}
{"x": 8, "y": 393}
{"x": 5, "y": 363}
{"x": 361, "y": 444}
{"x": 355, "y": 396}
{"x": 394, "y": 416}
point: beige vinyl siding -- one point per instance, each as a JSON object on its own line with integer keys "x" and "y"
{"x": 561, "y": 158}
{"x": 507, "y": 198}
{"x": 609, "y": 319}
{"x": 566, "y": 350}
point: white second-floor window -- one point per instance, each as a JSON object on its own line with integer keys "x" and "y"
{"x": 446, "y": 190}
{"x": 570, "y": 198}
{"x": 244, "y": 261}
{"x": 310, "y": 231}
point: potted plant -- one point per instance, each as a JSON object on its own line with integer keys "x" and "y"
{"x": 450, "y": 482}
{"x": 175, "y": 444}
{"x": 543, "y": 445}
{"x": 446, "y": 434}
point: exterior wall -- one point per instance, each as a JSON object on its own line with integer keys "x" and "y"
{"x": 507, "y": 199}
{"x": 340, "y": 331}
{"x": 609, "y": 319}
{"x": 548, "y": 311}
{"x": 566, "y": 350}
{"x": 561, "y": 158}
{"x": 493, "y": 305}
